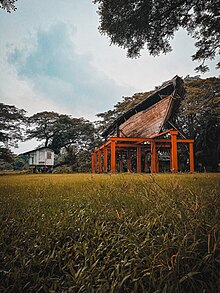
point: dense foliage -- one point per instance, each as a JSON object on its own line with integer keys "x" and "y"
{"x": 84, "y": 233}
{"x": 74, "y": 140}
{"x": 199, "y": 118}
{"x": 11, "y": 119}
{"x": 8, "y": 5}
{"x": 133, "y": 24}
{"x": 42, "y": 126}
{"x": 11, "y": 129}
{"x": 70, "y": 138}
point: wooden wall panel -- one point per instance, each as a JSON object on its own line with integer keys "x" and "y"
{"x": 148, "y": 122}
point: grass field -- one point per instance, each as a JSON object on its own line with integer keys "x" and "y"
{"x": 110, "y": 233}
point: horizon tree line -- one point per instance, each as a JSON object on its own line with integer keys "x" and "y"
{"x": 73, "y": 139}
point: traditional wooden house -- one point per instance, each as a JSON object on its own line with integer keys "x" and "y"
{"x": 143, "y": 131}
{"x": 40, "y": 159}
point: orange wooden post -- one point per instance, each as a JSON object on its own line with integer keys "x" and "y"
{"x": 153, "y": 157}
{"x": 105, "y": 160}
{"x": 174, "y": 159}
{"x": 93, "y": 163}
{"x": 129, "y": 161}
{"x": 138, "y": 159}
{"x": 171, "y": 162}
{"x": 191, "y": 157}
{"x": 113, "y": 157}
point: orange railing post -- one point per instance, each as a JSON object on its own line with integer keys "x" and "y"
{"x": 191, "y": 157}
{"x": 113, "y": 157}
{"x": 93, "y": 163}
{"x": 102, "y": 162}
{"x": 174, "y": 159}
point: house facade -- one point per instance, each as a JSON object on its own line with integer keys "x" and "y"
{"x": 40, "y": 159}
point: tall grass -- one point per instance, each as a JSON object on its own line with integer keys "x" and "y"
{"x": 110, "y": 233}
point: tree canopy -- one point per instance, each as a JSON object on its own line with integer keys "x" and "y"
{"x": 69, "y": 137}
{"x": 42, "y": 126}
{"x": 134, "y": 24}
{"x": 11, "y": 121}
{"x": 73, "y": 140}
{"x": 8, "y": 5}
{"x": 199, "y": 118}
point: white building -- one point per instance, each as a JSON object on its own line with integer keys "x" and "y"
{"x": 41, "y": 158}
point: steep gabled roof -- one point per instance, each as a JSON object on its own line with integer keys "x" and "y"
{"x": 173, "y": 87}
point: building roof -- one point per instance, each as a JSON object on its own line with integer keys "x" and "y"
{"x": 37, "y": 149}
{"x": 173, "y": 87}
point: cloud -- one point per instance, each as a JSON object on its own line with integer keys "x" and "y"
{"x": 69, "y": 79}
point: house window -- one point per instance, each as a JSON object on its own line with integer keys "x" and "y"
{"x": 41, "y": 157}
{"x": 31, "y": 159}
{"x": 49, "y": 155}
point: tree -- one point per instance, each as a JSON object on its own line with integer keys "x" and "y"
{"x": 42, "y": 126}
{"x": 21, "y": 163}
{"x": 132, "y": 24}
{"x": 7, "y": 158}
{"x": 66, "y": 135}
{"x": 74, "y": 140}
{"x": 199, "y": 118}
{"x": 8, "y": 5}
{"x": 69, "y": 131}
{"x": 11, "y": 121}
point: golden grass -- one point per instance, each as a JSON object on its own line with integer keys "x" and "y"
{"x": 109, "y": 233}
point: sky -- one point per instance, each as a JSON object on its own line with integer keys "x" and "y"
{"x": 53, "y": 58}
